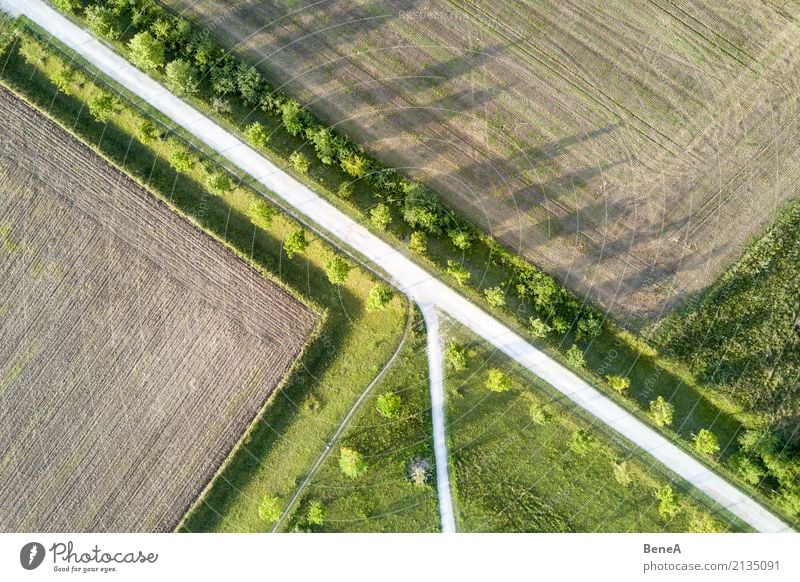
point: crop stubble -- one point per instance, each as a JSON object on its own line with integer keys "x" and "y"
{"x": 135, "y": 349}
{"x": 631, "y": 148}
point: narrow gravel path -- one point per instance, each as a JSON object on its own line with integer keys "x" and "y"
{"x": 436, "y": 380}
{"x": 406, "y": 274}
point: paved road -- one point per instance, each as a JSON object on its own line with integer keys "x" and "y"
{"x": 408, "y": 276}
{"x": 436, "y": 380}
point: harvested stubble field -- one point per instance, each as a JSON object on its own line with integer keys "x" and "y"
{"x": 134, "y": 349}
{"x": 631, "y": 148}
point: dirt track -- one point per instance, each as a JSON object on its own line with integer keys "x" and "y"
{"x": 134, "y": 349}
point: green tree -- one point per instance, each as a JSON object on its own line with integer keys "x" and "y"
{"x": 705, "y": 442}
{"x": 147, "y": 52}
{"x": 102, "y": 22}
{"x": 316, "y": 513}
{"x": 388, "y": 404}
{"x": 182, "y": 77}
{"x": 750, "y": 471}
{"x": 64, "y": 77}
{"x": 219, "y": 183}
{"x": 460, "y": 239}
{"x": 661, "y": 411}
{"x": 180, "y": 157}
{"x": 457, "y": 272}
{"x": 257, "y": 134}
{"x": 351, "y": 462}
{"x": 495, "y": 296}
{"x": 261, "y": 214}
{"x": 300, "y": 163}
{"x": 559, "y": 324}
{"x": 249, "y": 84}
{"x": 102, "y": 105}
{"x": 223, "y": 77}
{"x": 345, "y": 190}
{"x": 147, "y": 132}
{"x": 324, "y": 145}
{"x": 379, "y": 296}
{"x": 337, "y": 270}
{"x": 575, "y": 357}
{"x": 71, "y": 6}
{"x": 668, "y": 506}
{"x": 418, "y": 243}
{"x": 292, "y": 117}
{"x": 762, "y": 441}
{"x": 354, "y": 164}
{"x": 581, "y": 442}
{"x": 538, "y": 327}
{"x": 295, "y": 243}
{"x": 588, "y": 327}
{"x": 380, "y": 216}
{"x": 455, "y": 357}
{"x": 270, "y": 509}
{"x": 618, "y": 383}
{"x": 497, "y": 381}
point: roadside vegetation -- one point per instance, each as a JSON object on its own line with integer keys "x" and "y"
{"x": 526, "y": 459}
{"x": 353, "y": 343}
{"x": 408, "y": 214}
{"x": 380, "y": 476}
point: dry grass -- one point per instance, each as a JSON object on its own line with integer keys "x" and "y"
{"x": 631, "y": 148}
{"x": 134, "y": 349}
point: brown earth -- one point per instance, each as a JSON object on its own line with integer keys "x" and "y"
{"x": 134, "y": 349}
{"x": 629, "y": 147}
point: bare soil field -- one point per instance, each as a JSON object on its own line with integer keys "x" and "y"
{"x": 630, "y": 148}
{"x": 134, "y": 349}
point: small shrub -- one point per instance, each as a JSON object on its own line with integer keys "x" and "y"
{"x": 581, "y": 442}
{"x": 338, "y": 270}
{"x": 351, "y": 462}
{"x": 300, "y": 163}
{"x": 102, "y": 106}
{"x": 380, "y": 216}
{"x": 419, "y": 471}
{"x": 379, "y": 296}
{"x": 455, "y": 357}
{"x": 495, "y": 296}
{"x": 575, "y": 357}
{"x": 316, "y": 513}
{"x": 182, "y": 77}
{"x": 661, "y": 411}
{"x": 418, "y": 243}
{"x": 295, "y": 243}
{"x": 270, "y": 509}
{"x": 257, "y": 134}
{"x": 537, "y": 413}
{"x": 102, "y": 22}
{"x": 622, "y": 474}
{"x": 388, "y": 404}
{"x": 538, "y": 327}
{"x": 705, "y": 442}
{"x": 147, "y": 132}
{"x": 180, "y": 157}
{"x": 750, "y": 471}
{"x": 668, "y": 506}
{"x": 618, "y": 383}
{"x": 146, "y": 51}
{"x": 261, "y": 213}
{"x": 497, "y": 381}
{"x": 345, "y": 190}
{"x": 460, "y": 239}
{"x": 219, "y": 183}
{"x": 457, "y": 272}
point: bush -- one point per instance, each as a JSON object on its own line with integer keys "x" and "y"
{"x": 618, "y": 383}
{"x": 295, "y": 243}
{"x": 750, "y": 471}
{"x": 352, "y": 463}
{"x": 257, "y": 134}
{"x": 574, "y": 356}
{"x": 102, "y": 105}
{"x": 261, "y": 214}
{"x": 661, "y": 411}
{"x": 705, "y": 442}
{"x": 495, "y": 296}
{"x": 292, "y": 117}
{"x": 418, "y": 243}
{"x": 71, "y": 6}
{"x": 146, "y": 51}
{"x": 460, "y": 239}
{"x": 455, "y": 357}
{"x": 270, "y": 509}
{"x": 249, "y": 84}
{"x": 345, "y": 190}
{"x": 622, "y": 474}
{"x": 497, "y": 381}
{"x": 538, "y": 327}
{"x": 379, "y": 296}
{"x": 64, "y": 78}
{"x": 182, "y": 77}
{"x": 316, "y": 513}
{"x": 337, "y": 270}
{"x": 457, "y": 272}
{"x": 537, "y": 413}
{"x": 380, "y": 216}
{"x": 668, "y": 503}
{"x": 581, "y": 442}
{"x": 388, "y": 404}
{"x": 300, "y": 163}
{"x": 322, "y": 139}
{"x": 102, "y": 22}
{"x": 354, "y": 164}
{"x": 219, "y": 183}
{"x": 223, "y": 78}
{"x": 180, "y": 157}
{"x": 147, "y": 132}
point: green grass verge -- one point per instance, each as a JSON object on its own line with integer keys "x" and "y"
{"x": 512, "y": 472}
{"x": 349, "y": 349}
{"x": 383, "y": 498}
